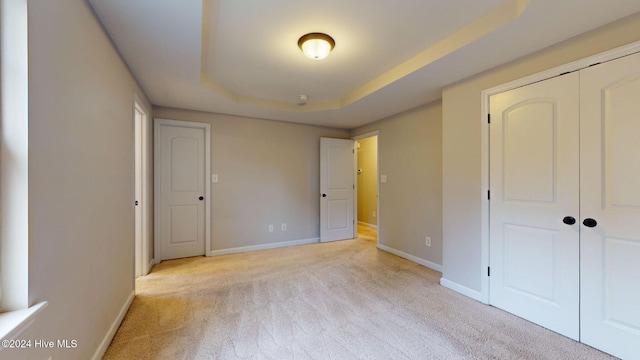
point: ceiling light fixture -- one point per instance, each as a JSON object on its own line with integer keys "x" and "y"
{"x": 316, "y": 46}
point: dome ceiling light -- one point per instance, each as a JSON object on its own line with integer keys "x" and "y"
{"x": 316, "y": 46}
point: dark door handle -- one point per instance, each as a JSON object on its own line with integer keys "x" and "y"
{"x": 324, "y": 195}
{"x": 589, "y": 222}
{"x": 201, "y": 198}
{"x": 569, "y": 220}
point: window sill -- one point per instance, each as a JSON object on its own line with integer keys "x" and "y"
{"x": 13, "y": 323}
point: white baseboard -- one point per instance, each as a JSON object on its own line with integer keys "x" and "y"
{"x": 474, "y": 294}
{"x": 415, "y": 259}
{"x": 367, "y": 225}
{"x": 113, "y": 329}
{"x": 149, "y": 266}
{"x": 263, "y": 247}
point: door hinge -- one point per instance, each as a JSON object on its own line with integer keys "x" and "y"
{"x": 488, "y": 271}
{"x": 489, "y": 118}
{"x": 488, "y": 194}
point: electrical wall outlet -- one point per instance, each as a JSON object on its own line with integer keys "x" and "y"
{"x": 373, "y": 213}
{"x": 284, "y": 227}
{"x": 427, "y": 241}
{"x": 270, "y": 228}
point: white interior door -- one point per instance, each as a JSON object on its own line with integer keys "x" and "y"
{"x": 337, "y": 170}
{"x": 180, "y": 160}
{"x": 610, "y": 195}
{"x": 534, "y": 172}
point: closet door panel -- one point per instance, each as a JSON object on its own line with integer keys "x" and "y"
{"x": 534, "y": 256}
{"x": 610, "y": 195}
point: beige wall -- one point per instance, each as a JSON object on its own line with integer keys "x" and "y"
{"x": 81, "y": 173}
{"x": 409, "y": 153}
{"x": 269, "y": 173}
{"x": 462, "y": 192}
{"x": 80, "y": 179}
{"x": 368, "y": 180}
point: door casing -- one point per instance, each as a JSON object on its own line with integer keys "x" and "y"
{"x": 141, "y": 194}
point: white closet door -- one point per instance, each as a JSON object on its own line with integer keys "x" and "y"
{"x": 610, "y": 194}
{"x": 534, "y": 256}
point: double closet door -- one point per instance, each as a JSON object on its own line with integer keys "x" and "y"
{"x": 565, "y": 204}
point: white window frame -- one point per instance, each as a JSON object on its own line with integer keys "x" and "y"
{"x": 14, "y": 171}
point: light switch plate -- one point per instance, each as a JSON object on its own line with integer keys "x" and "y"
{"x": 214, "y": 178}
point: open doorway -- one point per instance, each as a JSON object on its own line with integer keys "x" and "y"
{"x": 367, "y": 186}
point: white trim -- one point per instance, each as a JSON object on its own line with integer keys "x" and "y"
{"x": 14, "y": 323}
{"x": 150, "y": 265}
{"x": 367, "y": 225}
{"x": 158, "y": 123}
{"x": 484, "y": 206}
{"x": 282, "y": 244}
{"x": 415, "y": 259}
{"x": 354, "y": 149}
{"x": 484, "y": 98}
{"x": 14, "y": 155}
{"x": 104, "y": 345}
{"x": 207, "y": 188}
{"x": 142, "y": 260}
{"x": 474, "y": 294}
{"x": 156, "y": 191}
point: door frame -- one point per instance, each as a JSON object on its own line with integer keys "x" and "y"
{"x": 355, "y": 197}
{"x": 158, "y": 123}
{"x": 483, "y": 295}
{"x": 142, "y": 261}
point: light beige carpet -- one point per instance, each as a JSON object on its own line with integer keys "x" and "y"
{"x": 342, "y": 300}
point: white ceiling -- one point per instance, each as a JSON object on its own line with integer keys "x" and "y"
{"x": 241, "y": 57}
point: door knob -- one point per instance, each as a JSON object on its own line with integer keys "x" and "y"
{"x": 201, "y": 198}
{"x": 569, "y": 220}
{"x": 589, "y": 222}
{"x": 324, "y": 195}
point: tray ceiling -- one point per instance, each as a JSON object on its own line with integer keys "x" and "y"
{"x": 241, "y": 57}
